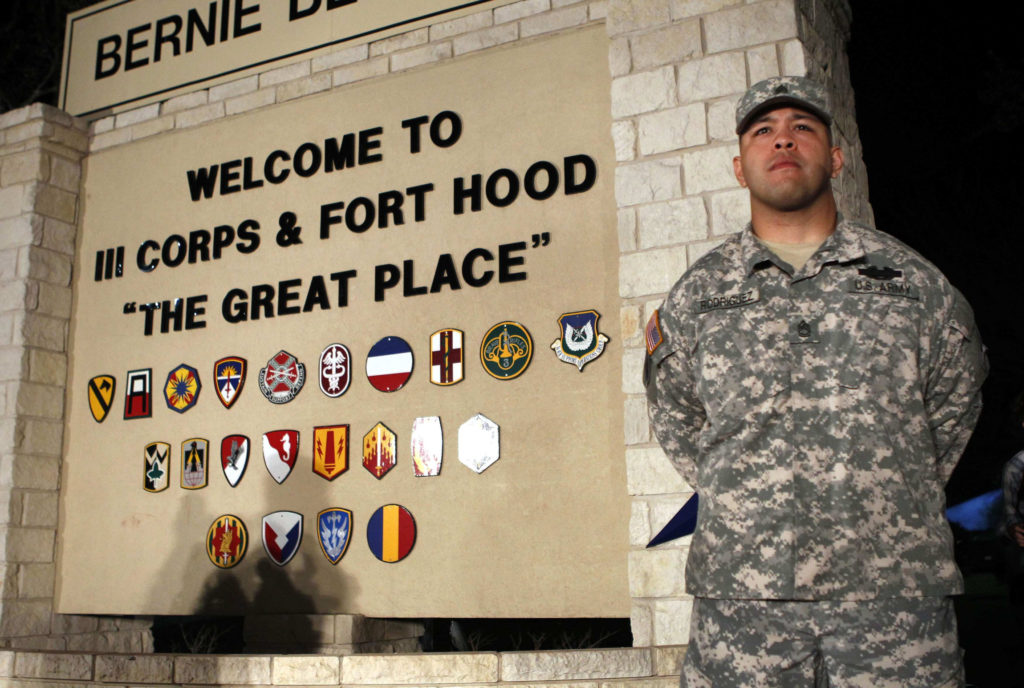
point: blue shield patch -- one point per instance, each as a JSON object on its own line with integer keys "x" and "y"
{"x": 334, "y": 526}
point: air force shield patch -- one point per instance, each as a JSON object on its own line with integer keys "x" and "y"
{"x": 101, "y": 396}
{"x": 580, "y": 342}
{"x": 334, "y": 526}
{"x": 282, "y": 534}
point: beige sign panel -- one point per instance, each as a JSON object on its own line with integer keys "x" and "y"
{"x": 126, "y": 53}
{"x": 474, "y": 193}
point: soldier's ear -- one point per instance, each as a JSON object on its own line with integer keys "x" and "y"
{"x": 837, "y": 161}
{"x": 737, "y": 168}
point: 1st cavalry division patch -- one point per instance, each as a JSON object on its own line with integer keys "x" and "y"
{"x": 226, "y": 541}
{"x": 101, "y": 396}
{"x": 229, "y": 375}
{"x": 506, "y": 350}
{"x": 181, "y": 391}
{"x": 334, "y": 527}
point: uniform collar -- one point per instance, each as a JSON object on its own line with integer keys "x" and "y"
{"x": 844, "y": 245}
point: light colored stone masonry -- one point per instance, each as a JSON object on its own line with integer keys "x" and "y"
{"x": 617, "y": 668}
{"x": 678, "y": 67}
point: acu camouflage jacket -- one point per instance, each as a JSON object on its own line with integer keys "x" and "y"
{"x": 818, "y": 415}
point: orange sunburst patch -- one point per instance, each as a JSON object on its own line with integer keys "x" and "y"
{"x": 181, "y": 391}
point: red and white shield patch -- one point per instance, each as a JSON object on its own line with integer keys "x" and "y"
{"x": 280, "y": 448}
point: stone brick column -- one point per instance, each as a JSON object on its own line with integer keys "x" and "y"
{"x": 41, "y": 149}
{"x": 678, "y": 67}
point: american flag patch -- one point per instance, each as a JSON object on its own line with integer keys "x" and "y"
{"x": 652, "y": 333}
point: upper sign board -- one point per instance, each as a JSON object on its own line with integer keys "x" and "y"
{"x": 122, "y": 54}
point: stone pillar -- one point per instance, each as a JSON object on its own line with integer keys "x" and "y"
{"x": 678, "y": 67}
{"x": 41, "y": 149}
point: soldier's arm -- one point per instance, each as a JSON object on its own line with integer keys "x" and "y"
{"x": 953, "y": 388}
{"x": 676, "y": 414}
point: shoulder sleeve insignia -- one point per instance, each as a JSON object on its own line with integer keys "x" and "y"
{"x": 652, "y": 333}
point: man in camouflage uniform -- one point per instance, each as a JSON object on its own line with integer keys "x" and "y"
{"x": 815, "y": 381}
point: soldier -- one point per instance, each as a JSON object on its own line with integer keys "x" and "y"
{"x": 815, "y": 381}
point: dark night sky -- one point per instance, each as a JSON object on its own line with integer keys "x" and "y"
{"x": 940, "y": 105}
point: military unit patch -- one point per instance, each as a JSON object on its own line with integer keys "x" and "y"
{"x": 652, "y": 333}
{"x": 391, "y": 533}
{"x": 427, "y": 446}
{"x": 101, "y": 396}
{"x": 580, "y": 342}
{"x": 389, "y": 364}
{"x": 194, "y": 455}
{"x": 138, "y": 395}
{"x": 234, "y": 457}
{"x": 335, "y": 369}
{"x": 506, "y": 350}
{"x": 156, "y": 466}
{"x": 283, "y": 378}
{"x": 380, "y": 450}
{"x": 446, "y": 357}
{"x": 280, "y": 448}
{"x": 334, "y": 526}
{"x": 229, "y": 374}
{"x": 330, "y": 451}
{"x": 226, "y": 541}
{"x": 181, "y": 391}
{"x": 282, "y": 534}
{"x": 479, "y": 446}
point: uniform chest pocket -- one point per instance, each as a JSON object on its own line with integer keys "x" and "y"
{"x": 878, "y": 341}
{"x": 740, "y": 363}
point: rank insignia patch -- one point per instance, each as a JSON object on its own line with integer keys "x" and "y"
{"x": 389, "y": 364}
{"x": 379, "y": 450}
{"x": 157, "y": 466}
{"x": 234, "y": 457}
{"x": 334, "y": 526}
{"x": 330, "y": 451}
{"x": 181, "y": 391}
{"x": 335, "y": 366}
{"x": 479, "y": 446}
{"x": 280, "y": 447}
{"x": 194, "y": 460}
{"x": 391, "y": 533}
{"x": 282, "y": 534}
{"x": 506, "y": 350}
{"x": 226, "y": 541}
{"x": 446, "y": 357}
{"x": 229, "y": 374}
{"x": 101, "y": 396}
{"x": 427, "y": 446}
{"x": 138, "y": 394}
{"x": 652, "y": 333}
{"x": 283, "y": 378}
{"x": 580, "y": 342}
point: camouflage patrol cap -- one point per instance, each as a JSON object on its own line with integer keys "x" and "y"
{"x": 798, "y": 91}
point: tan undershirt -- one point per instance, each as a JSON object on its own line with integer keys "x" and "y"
{"x": 794, "y": 254}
